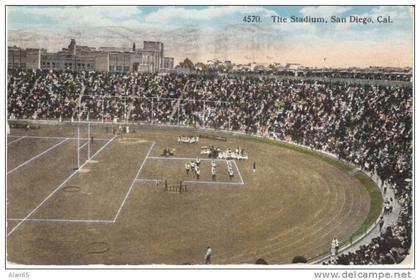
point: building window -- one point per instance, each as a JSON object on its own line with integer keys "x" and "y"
{"x": 126, "y": 68}
{"x": 119, "y": 68}
{"x": 111, "y": 68}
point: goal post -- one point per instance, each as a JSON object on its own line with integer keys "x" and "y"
{"x": 78, "y": 147}
{"x": 85, "y": 143}
{"x": 89, "y": 140}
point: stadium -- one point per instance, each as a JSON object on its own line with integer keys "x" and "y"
{"x": 140, "y": 169}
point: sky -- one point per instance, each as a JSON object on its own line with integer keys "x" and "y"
{"x": 203, "y": 33}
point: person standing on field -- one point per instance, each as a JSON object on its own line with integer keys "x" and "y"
{"x": 381, "y": 223}
{"x": 207, "y": 257}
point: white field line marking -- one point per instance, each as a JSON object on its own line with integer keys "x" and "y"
{"x": 181, "y": 158}
{"x": 59, "y": 187}
{"x": 14, "y": 141}
{"x": 64, "y": 221}
{"x": 239, "y": 172}
{"x": 214, "y": 182}
{"x": 54, "y": 137}
{"x": 149, "y": 180}
{"x": 81, "y": 147}
{"x": 134, "y": 181}
{"x": 37, "y": 156}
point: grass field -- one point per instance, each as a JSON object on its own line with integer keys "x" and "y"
{"x": 113, "y": 211}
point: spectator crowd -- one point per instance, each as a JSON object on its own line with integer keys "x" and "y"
{"x": 365, "y": 124}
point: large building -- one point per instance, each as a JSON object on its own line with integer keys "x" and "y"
{"x": 24, "y": 58}
{"x": 168, "y": 63}
{"x": 150, "y": 59}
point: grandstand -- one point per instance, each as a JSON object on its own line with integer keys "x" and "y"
{"x": 331, "y": 156}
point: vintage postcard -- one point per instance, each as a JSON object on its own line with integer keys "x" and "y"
{"x": 204, "y": 136}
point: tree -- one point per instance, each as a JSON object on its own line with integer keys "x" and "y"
{"x": 221, "y": 68}
{"x": 187, "y": 63}
{"x": 202, "y": 66}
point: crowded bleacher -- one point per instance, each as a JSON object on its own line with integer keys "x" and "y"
{"x": 367, "y": 125}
